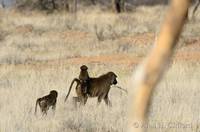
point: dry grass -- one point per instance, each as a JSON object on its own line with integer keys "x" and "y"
{"x": 40, "y": 52}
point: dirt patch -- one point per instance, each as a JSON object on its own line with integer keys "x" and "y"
{"x": 23, "y": 29}
{"x": 67, "y": 35}
{"x": 139, "y": 39}
{"x": 193, "y": 43}
{"x": 116, "y": 59}
{"x": 187, "y": 56}
{"x": 74, "y": 34}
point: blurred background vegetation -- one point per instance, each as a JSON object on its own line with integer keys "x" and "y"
{"x": 35, "y": 4}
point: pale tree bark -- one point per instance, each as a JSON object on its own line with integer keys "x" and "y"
{"x": 71, "y": 5}
{"x": 154, "y": 65}
{"x": 93, "y": 2}
{"x": 75, "y": 6}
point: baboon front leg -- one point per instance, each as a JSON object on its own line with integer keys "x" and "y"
{"x": 107, "y": 101}
{"x": 44, "y": 111}
{"x": 54, "y": 109}
{"x": 85, "y": 100}
{"x": 99, "y": 99}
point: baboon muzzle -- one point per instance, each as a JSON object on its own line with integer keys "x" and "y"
{"x": 115, "y": 82}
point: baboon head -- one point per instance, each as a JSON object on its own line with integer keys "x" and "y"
{"x": 53, "y": 93}
{"x": 113, "y": 78}
{"x": 83, "y": 67}
{"x": 84, "y": 76}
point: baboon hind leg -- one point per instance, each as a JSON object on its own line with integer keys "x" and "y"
{"x": 75, "y": 101}
{"x": 54, "y": 109}
{"x": 84, "y": 100}
{"x": 81, "y": 100}
{"x": 44, "y": 111}
{"x": 99, "y": 99}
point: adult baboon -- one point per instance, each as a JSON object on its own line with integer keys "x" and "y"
{"x": 97, "y": 87}
{"x": 46, "y": 102}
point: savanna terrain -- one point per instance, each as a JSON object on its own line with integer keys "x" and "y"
{"x": 40, "y": 52}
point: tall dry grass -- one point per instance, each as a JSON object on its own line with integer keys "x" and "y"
{"x": 34, "y": 53}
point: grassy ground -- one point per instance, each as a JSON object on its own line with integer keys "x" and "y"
{"x": 40, "y": 52}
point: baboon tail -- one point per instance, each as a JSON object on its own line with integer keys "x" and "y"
{"x": 121, "y": 89}
{"x": 36, "y": 104}
{"x": 75, "y": 80}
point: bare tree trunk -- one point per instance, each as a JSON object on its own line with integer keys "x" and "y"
{"x": 118, "y": 5}
{"x": 75, "y": 6}
{"x": 115, "y": 6}
{"x": 3, "y": 4}
{"x": 122, "y": 5}
{"x": 54, "y": 4}
{"x": 66, "y": 5}
{"x": 42, "y": 4}
{"x": 154, "y": 65}
{"x": 93, "y": 2}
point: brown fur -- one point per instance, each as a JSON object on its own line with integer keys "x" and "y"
{"x": 97, "y": 87}
{"x": 46, "y": 102}
{"x": 82, "y": 85}
{"x": 84, "y": 77}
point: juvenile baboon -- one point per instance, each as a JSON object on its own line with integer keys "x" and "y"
{"x": 46, "y": 102}
{"x": 97, "y": 87}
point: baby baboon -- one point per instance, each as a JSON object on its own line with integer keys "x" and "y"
{"x": 82, "y": 85}
{"x": 46, "y": 102}
{"x": 84, "y": 78}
